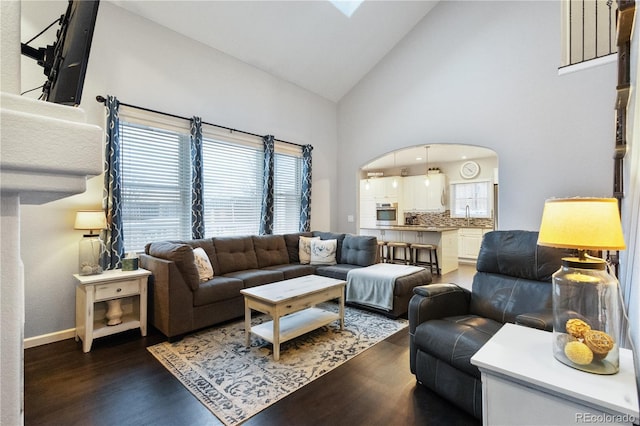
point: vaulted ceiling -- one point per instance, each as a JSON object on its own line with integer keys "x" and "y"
{"x": 309, "y": 43}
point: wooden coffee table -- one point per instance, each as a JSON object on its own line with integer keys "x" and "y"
{"x": 291, "y": 305}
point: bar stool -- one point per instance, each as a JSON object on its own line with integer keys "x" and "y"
{"x": 381, "y": 254}
{"x": 433, "y": 253}
{"x": 392, "y": 255}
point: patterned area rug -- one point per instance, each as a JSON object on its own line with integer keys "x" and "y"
{"x": 235, "y": 382}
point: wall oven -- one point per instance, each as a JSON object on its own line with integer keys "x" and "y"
{"x": 386, "y": 214}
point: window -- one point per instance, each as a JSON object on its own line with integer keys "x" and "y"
{"x": 474, "y": 197}
{"x": 286, "y": 197}
{"x": 232, "y": 188}
{"x": 155, "y": 185}
{"x": 156, "y": 181}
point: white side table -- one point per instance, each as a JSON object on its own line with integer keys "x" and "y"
{"x": 110, "y": 287}
{"x": 522, "y": 383}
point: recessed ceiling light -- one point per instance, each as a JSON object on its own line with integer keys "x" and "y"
{"x": 464, "y": 157}
{"x": 347, "y": 7}
{"x": 418, "y": 158}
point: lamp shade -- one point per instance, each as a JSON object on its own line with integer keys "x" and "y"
{"x": 90, "y": 220}
{"x": 581, "y": 223}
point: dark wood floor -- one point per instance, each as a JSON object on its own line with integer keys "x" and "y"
{"x": 120, "y": 383}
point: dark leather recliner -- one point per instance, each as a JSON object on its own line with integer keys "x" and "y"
{"x": 448, "y": 324}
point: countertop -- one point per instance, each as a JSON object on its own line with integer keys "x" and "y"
{"x": 418, "y": 228}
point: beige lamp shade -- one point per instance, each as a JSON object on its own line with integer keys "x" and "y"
{"x": 582, "y": 223}
{"x": 90, "y": 220}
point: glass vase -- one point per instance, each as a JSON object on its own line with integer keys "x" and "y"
{"x": 90, "y": 251}
{"x": 586, "y": 316}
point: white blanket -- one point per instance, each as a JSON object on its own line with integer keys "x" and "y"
{"x": 373, "y": 285}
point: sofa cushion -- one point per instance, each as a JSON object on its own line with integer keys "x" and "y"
{"x": 323, "y": 252}
{"x": 207, "y": 245}
{"x": 203, "y": 265}
{"x": 217, "y": 289}
{"x": 455, "y": 340}
{"x": 359, "y": 250}
{"x": 292, "y": 242}
{"x": 304, "y": 249}
{"x": 516, "y": 253}
{"x": 235, "y": 254}
{"x": 503, "y": 298}
{"x": 338, "y": 271}
{"x": 332, "y": 236}
{"x": 181, "y": 255}
{"x": 254, "y": 277}
{"x": 270, "y": 250}
{"x": 293, "y": 270}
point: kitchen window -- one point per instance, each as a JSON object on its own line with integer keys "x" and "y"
{"x": 472, "y": 199}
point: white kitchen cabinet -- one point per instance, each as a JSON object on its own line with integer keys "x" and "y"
{"x": 391, "y": 188}
{"x": 414, "y": 193}
{"x": 367, "y": 211}
{"x": 419, "y": 197}
{"x": 382, "y": 189}
{"x": 436, "y": 192}
{"x": 469, "y": 241}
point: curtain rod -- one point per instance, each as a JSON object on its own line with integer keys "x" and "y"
{"x": 103, "y": 100}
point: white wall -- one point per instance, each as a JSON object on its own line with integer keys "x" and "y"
{"x": 485, "y": 73}
{"x": 147, "y": 65}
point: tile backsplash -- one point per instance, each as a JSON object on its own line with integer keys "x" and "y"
{"x": 444, "y": 219}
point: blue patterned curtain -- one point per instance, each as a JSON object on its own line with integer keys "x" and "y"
{"x": 305, "y": 203}
{"x": 197, "y": 203}
{"x": 112, "y": 257}
{"x": 266, "y": 221}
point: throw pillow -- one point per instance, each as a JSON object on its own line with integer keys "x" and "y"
{"x": 323, "y": 252}
{"x": 203, "y": 265}
{"x": 304, "y": 249}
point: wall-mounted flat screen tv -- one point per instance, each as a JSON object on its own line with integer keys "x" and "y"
{"x": 65, "y": 62}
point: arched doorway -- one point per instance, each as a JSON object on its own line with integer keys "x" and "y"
{"x": 431, "y": 187}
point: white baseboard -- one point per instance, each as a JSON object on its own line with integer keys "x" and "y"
{"x": 32, "y": 342}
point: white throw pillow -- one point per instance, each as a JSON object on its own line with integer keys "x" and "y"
{"x": 304, "y": 249}
{"x": 323, "y": 252}
{"x": 203, "y": 264}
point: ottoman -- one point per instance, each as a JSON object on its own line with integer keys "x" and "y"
{"x": 402, "y": 293}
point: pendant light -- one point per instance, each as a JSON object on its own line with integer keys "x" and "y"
{"x": 367, "y": 185}
{"x": 426, "y": 173}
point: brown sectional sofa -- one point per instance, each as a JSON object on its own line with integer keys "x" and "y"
{"x": 180, "y": 303}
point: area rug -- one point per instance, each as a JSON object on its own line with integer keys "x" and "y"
{"x": 235, "y": 382}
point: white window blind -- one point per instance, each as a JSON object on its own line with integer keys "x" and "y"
{"x": 156, "y": 178}
{"x": 232, "y": 188}
{"x": 156, "y": 181}
{"x": 287, "y": 193}
{"x": 473, "y": 197}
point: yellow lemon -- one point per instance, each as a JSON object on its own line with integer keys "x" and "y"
{"x": 578, "y": 353}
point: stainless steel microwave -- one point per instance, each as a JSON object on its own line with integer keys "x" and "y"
{"x": 386, "y": 214}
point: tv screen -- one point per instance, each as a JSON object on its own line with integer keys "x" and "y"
{"x": 65, "y": 62}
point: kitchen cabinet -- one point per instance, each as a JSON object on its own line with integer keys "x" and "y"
{"x": 469, "y": 241}
{"x": 378, "y": 190}
{"x": 382, "y": 189}
{"x": 419, "y": 197}
{"x": 367, "y": 213}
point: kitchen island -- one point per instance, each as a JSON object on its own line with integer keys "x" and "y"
{"x": 445, "y": 238}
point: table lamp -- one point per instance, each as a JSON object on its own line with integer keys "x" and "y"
{"x": 91, "y": 246}
{"x": 586, "y": 309}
